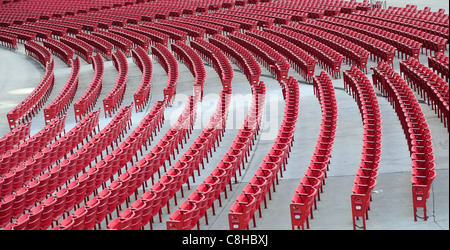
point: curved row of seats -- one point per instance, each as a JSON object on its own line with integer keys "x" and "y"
{"x": 64, "y": 99}
{"x": 114, "y": 98}
{"x": 429, "y": 85}
{"x": 143, "y": 61}
{"x": 439, "y": 63}
{"x": 307, "y": 193}
{"x": 416, "y": 129}
{"x": 89, "y": 98}
{"x": 266, "y": 176}
{"x": 168, "y": 61}
{"x": 8, "y": 40}
{"x": 359, "y": 86}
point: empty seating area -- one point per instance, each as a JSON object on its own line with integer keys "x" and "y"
{"x": 223, "y": 115}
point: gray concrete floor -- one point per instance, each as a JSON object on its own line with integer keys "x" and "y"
{"x": 391, "y": 208}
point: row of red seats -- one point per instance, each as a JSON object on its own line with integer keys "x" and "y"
{"x": 106, "y": 201}
{"x": 41, "y": 34}
{"x": 59, "y": 49}
{"x": 34, "y": 10}
{"x": 405, "y": 46}
{"x": 212, "y": 186}
{"x": 261, "y": 20}
{"x": 429, "y": 85}
{"x": 174, "y": 34}
{"x": 353, "y": 53}
{"x": 268, "y": 57}
{"x": 429, "y": 41}
{"x": 64, "y": 198}
{"x": 155, "y": 36}
{"x": 416, "y": 129}
{"x": 28, "y": 108}
{"x": 32, "y": 145}
{"x": 299, "y": 13}
{"x": 275, "y": 17}
{"x": 359, "y": 86}
{"x": 244, "y": 24}
{"x": 89, "y": 98}
{"x": 210, "y": 28}
{"x": 62, "y": 102}
{"x": 38, "y": 52}
{"x": 79, "y": 47}
{"x": 114, "y": 98}
{"x": 204, "y": 144}
{"x": 119, "y": 42}
{"x": 191, "y": 30}
{"x": 136, "y": 38}
{"x": 167, "y": 60}
{"x": 100, "y": 45}
{"x": 143, "y": 61}
{"x": 90, "y": 20}
{"x": 8, "y": 40}
{"x": 213, "y": 56}
{"x": 300, "y": 60}
{"x": 427, "y": 27}
{"x": 14, "y": 137}
{"x": 39, "y": 166}
{"x": 413, "y": 15}
{"x": 379, "y": 50}
{"x": 23, "y": 36}
{"x": 281, "y": 12}
{"x": 328, "y": 58}
{"x": 266, "y": 176}
{"x": 227, "y": 26}
{"x": 307, "y": 192}
{"x": 439, "y": 63}
{"x": 72, "y": 28}
{"x": 240, "y": 56}
{"x": 57, "y": 31}
{"x": 193, "y": 62}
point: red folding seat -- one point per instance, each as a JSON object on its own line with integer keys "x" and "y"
{"x": 123, "y": 222}
{"x": 22, "y": 222}
{"x": 34, "y": 222}
{"x": 71, "y": 196}
{"x": 241, "y": 212}
{"x": 60, "y": 205}
{"x": 301, "y": 207}
{"x": 47, "y": 213}
{"x": 79, "y": 217}
{"x": 102, "y": 208}
{"x": 149, "y": 198}
{"x": 138, "y": 208}
{"x": 66, "y": 224}
{"x": 182, "y": 217}
{"x": 201, "y": 203}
